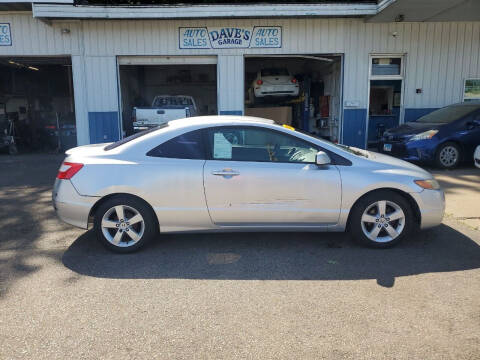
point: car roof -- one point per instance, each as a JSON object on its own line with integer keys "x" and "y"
{"x": 219, "y": 120}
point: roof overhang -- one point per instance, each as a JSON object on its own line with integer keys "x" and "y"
{"x": 202, "y": 11}
{"x": 429, "y": 10}
{"x": 383, "y": 11}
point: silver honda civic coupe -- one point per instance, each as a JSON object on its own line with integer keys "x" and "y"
{"x": 234, "y": 173}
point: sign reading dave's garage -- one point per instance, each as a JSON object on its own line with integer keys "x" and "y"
{"x": 230, "y": 37}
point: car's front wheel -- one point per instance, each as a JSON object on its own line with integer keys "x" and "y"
{"x": 381, "y": 219}
{"x": 124, "y": 224}
{"x": 448, "y": 155}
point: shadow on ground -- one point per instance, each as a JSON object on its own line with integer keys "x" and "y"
{"x": 276, "y": 256}
{"x": 462, "y": 178}
{"x": 29, "y": 228}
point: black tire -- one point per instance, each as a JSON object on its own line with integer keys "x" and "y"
{"x": 357, "y": 227}
{"x": 131, "y": 206}
{"x": 445, "y": 162}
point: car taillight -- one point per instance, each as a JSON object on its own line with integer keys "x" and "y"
{"x": 68, "y": 169}
{"x": 259, "y": 82}
{"x": 294, "y": 80}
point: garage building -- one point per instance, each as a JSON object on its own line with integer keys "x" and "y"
{"x": 77, "y": 73}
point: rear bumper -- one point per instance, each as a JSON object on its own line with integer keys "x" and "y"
{"x": 69, "y": 206}
{"x": 276, "y": 90}
{"x": 432, "y": 207}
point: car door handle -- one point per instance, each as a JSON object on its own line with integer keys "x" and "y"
{"x": 225, "y": 172}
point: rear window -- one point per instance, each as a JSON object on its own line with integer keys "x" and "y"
{"x": 274, "y": 72}
{"x": 448, "y": 114}
{"x": 133, "y": 137}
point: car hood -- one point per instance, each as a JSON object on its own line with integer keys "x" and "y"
{"x": 411, "y": 128}
{"x": 389, "y": 163}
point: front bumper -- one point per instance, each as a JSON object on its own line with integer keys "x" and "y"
{"x": 432, "y": 207}
{"x": 422, "y": 150}
{"x": 70, "y": 206}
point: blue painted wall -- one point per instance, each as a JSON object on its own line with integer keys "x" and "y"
{"x": 103, "y": 126}
{"x": 354, "y": 127}
{"x": 414, "y": 114}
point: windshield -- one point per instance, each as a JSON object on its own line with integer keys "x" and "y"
{"x": 346, "y": 148}
{"x": 172, "y": 100}
{"x": 133, "y": 137}
{"x": 448, "y": 114}
{"x": 274, "y": 72}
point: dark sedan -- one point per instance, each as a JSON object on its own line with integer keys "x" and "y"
{"x": 445, "y": 137}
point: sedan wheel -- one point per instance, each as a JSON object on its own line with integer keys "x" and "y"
{"x": 381, "y": 219}
{"x": 448, "y": 156}
{"x": 125, "y": 223}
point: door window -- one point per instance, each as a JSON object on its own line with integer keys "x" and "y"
{"x": 186, "y": 146}
{"x": 256, "y": 144}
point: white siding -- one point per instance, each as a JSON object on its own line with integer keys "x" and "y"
{"x": 80, "y": 97}
{"x": 230, "y": 83}
{"x": 439, "y": 56}
{"x": 102, "y": 89}
{"x": 34, "y": 37}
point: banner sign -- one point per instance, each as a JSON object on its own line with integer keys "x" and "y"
{"x": 5, "y": 35}
{"x": 230, "y": 37}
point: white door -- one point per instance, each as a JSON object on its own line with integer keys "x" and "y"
{"x": 258, "y": 176}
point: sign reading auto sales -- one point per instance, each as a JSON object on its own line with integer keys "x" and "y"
{"x": 230, "y": 37}
{"x": 5, "y": 35}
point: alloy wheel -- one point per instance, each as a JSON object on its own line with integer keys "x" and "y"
{"x": 383, "y": 221}
{"x": 123, "y": 226}
{"x": 448, "y": 156}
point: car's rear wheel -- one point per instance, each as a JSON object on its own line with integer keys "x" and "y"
{"x": 381, "y": 219}
{"x": 448, "y": 155}
{"x": 124, "y": 224}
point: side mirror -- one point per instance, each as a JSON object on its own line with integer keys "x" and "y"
{"x": 322, "y": 159}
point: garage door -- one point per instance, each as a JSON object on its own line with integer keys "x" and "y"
{"x": 156, "y": 89}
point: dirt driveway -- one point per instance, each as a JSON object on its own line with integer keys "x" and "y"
{"x": 268, "y": 296}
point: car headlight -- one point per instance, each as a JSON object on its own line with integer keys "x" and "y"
{"x": 426, "y": 135}
{"x": 430, "y": 184}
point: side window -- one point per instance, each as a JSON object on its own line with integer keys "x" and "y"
{"x": 186, "y": 146}
{"x": 255, "y": 144}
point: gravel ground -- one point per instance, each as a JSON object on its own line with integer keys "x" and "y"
{"x": 269, "y": 296}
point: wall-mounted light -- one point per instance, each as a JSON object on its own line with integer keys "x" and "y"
{"x": 394, "y": 33}
{"x": 65, "y": 31}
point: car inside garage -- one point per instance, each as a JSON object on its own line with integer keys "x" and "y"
{"x": 36, "y": 105}
{"x": 303, "y": 91}
{"x": 159, "y": 89}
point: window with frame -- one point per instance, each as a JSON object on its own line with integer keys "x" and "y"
{"x": 386, "y": 66}
{"x": 186, "y": 146}
{"x": 257, "y": 144}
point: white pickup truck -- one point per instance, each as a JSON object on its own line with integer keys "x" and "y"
{"x": 164, "y": 108}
